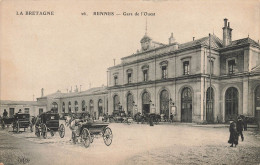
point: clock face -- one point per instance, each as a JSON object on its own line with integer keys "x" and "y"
{"x": 145, "y": 45}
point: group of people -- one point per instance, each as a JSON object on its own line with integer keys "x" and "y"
{"x": 236, "y": 130}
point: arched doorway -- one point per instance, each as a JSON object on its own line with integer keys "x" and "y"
{"x": 164, "y": 103}
{"x": 210, "y": 105}
{"x": 130, "y": 104}
{"x": 116, "y": 104}
{"x": 186, "y": 105}
{"x": 257, "y": 102}
{"x": 146, "y": 102}
{"x": 54, "y": 107}
{"x": 100, "y": 107}
{"x": 231, "y": 103}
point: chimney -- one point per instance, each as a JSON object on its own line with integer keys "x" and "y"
{"x": 171, "y": 39}
{"x": 227, "y": 33}
{"x": 42, "y": 92}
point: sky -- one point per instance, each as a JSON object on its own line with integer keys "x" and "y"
{"x": 60, "y": 51}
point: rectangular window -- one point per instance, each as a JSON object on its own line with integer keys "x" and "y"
{"x": 40, "y": 111}
{"x": 145, "y": 72}
{"x": 116, "y": 80}
{"x": 186, "y": 68}
{"x": 164, "y": 72}
{"x": 26, "y": 110}
{"x": 129, "y": 77}
{"x": 231, "y": 66}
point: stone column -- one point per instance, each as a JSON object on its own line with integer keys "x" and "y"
{"x": 245, "y": 97}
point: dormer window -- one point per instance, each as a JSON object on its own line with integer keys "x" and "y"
{"x": 231, "y": 66}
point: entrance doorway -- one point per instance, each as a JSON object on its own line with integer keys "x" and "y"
{"x": 231, "y": 103}
{"x": 210, "y": 105}
{"x": 186, "y": 105}
{"x": 11, "y": 112}
{"x": 146, "y": 103}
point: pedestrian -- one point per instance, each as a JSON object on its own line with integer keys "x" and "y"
{"x": 20, "y": 111}
{"x": 240, "y": 127}
{"x": 233, "y": 138}
{"x": 171, "y": 117}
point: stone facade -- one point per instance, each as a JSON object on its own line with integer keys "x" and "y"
{"x": 176, "y": 78}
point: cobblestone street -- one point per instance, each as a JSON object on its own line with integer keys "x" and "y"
{"x": 135, "y": 144}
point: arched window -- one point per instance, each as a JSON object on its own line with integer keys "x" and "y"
{"x": 63, "y": 107}
{"x": 54, "y": 107}
{"x": 69, "y": 106}
{"x": 210, "y": 105}
{"x": 257, "y": 102}
{"x": 186, "y": 105}
{"x": 100, "y": 107}
{"x": 164, "y": 102}
{"x": 83, "y": 105}
{"x": 91, "y": 107}
{"x": 146, "y": 100}
{"x": 130, "y": 104}
{"x": 231, "y": 103}
{"x": 116, "y": 103}
{"x": 76, "y": 106}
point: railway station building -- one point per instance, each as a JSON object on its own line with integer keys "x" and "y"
{"x": 204, "y": 80}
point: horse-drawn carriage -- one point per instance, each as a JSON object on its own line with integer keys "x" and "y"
{"x": 147, "y": 117}
{"x": 48, "y": 122}
{"x": 88, "y": 131}
{"x": 19, "y": 120}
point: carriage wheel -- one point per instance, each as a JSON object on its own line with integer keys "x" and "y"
{"x": 17, "y": 127}
{"x": 31, "y": 127}
{"x": 44, "y": 131}
{"x": 37, "y": 131}
{"x": 62, "y": 130}
{"x": 107, "y": 136}
{"x": 74, "y": 137}
{"x": 86, "y": 137}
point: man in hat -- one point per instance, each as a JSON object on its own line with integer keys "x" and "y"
{"x": 233, "y": 138}
{"x": 240, "y": 127}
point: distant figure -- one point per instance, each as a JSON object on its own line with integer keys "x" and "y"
{"x": 20, "y": 111}
{"x": 171, "y": 117}
{"x": 5, "y": 114}
{"x": 233, "y": 138}
{"x": 240, "y": 127}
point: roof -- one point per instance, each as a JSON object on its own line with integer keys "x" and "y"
{"x": 95, "y": 90}
{"x": 244, "y": 41}
{"x": 29, "y": 103}
{"x": 215, "y": 42}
